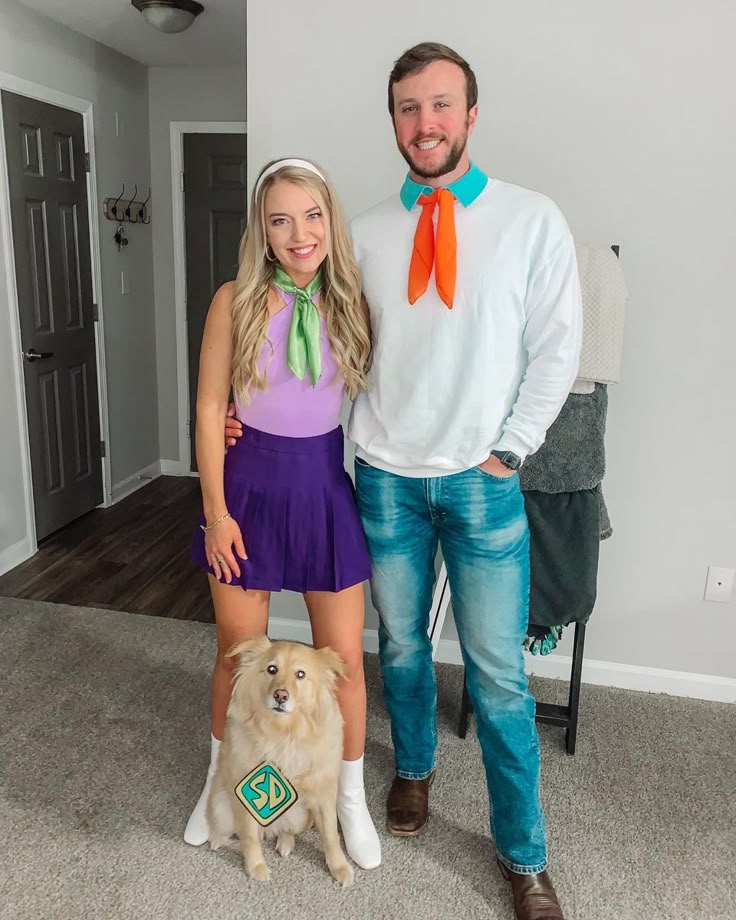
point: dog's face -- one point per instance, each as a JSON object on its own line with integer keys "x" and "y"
{"x": 283, "y": 679}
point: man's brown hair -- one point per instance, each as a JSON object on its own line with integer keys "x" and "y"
{"x": 418, "y": 57}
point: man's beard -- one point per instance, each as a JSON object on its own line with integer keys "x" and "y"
{"x": 448, "y": 164}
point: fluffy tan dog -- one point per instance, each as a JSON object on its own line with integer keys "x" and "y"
{"x": 283, "y": 712}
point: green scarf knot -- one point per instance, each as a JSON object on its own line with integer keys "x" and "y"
{"x": 303, "y": 347}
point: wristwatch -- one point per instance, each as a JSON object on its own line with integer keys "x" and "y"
{"x": 509, "y": 459}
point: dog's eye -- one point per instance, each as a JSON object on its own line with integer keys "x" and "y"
{"x": 300, "y": 675}
{"x": 272, "y": 669}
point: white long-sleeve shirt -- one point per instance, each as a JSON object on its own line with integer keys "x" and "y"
{"x": 448, "y": 386}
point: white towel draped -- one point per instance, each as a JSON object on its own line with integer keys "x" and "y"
{"x": 604, "y": 297}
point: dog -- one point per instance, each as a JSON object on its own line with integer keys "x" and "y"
{"x": 282, "y": 712}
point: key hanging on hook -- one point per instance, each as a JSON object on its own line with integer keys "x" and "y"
{"x": 120, "y": 238}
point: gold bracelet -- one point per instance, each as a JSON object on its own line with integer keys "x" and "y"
{"x": 206, "y": 527}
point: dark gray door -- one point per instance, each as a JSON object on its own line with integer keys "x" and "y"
{"x": 214, "y": 209}
{"x": 48, "y": 201}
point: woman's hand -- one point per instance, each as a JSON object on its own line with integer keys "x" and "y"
{"x": 219, "y": 544}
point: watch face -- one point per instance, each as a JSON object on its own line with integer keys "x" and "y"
{"x": 508, "y": 459}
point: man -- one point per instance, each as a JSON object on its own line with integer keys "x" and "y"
{"x": 475, "y": 310}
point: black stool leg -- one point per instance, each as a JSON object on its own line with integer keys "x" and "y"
{"x": 466, "y": 708}
{"x": 573, "y": 704}
{"x": 574, "y": 698}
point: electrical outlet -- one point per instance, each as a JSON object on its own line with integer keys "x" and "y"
{"x": 718, "y": 584}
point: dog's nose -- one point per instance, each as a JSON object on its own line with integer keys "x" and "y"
{"x": 281, "y": 696}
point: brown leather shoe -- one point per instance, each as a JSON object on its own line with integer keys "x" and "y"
{"x": 408, "y": 806}
{"x": 534, "y": 895}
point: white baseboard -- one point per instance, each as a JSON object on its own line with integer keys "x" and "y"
{"x": 131, "y": 484}
{"x": 557, "y": 667}
{"x": 15, "y": 554}
{"x": 176, "y": 468}
{"x": 170, "y": 467}
{"x": 635, "y": 677}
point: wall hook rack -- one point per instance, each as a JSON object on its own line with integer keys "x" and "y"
{"x": 127, "y": 210}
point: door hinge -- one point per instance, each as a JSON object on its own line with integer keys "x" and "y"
{"x": 103, "y": 449}
{"x": 95, "y": 313}
{"x": 181, "y": 181}
{"x": 86, "y": 162}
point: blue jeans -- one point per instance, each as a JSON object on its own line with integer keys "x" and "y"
{"x": 478, "y": 521}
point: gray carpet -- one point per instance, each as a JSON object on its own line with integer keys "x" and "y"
{"x": 104, "y": 746}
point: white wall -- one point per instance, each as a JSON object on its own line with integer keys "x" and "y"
{"x": 36, "y": 49}
{"x": 178, "y": 94}
{"x": 620, "y": 113}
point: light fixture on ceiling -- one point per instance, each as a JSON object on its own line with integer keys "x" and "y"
{"x": 169, "y": 15}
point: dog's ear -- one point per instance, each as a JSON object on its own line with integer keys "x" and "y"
{"x": 333, "y": 662}
{"x": 249, "y": 649}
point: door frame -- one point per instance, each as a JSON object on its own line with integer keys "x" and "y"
{"x": 21, "y": 87}
{"x": 177, "y": 131}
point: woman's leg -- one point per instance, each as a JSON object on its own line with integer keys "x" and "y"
{"x": 239, "y": 615}
{"x": 337, "y": 620}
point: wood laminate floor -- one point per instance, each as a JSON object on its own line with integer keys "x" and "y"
{"x": 133, "y": 556}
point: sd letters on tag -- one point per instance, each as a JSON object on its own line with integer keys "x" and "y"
{"x": 266, "y": 794}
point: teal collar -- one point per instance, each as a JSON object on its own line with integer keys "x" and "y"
{"x": 466, "y": 189}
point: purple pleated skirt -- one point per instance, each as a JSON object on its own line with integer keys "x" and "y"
{"x": 295, "y": 506}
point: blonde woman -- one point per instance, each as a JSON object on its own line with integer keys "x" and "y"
{"x": 291, "y": 337}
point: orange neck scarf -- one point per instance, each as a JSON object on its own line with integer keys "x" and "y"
{"x": 441, "y": 252}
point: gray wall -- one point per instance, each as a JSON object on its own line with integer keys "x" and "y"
{"x": 617, "y": 112}
{"x": 178, "y": 94}
{"x": 36, "y": 49}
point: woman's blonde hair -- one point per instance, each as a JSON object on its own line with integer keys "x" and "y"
{"x": 340, "y": 299}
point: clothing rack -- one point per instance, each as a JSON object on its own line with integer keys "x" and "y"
{"x": 549, "y": 713}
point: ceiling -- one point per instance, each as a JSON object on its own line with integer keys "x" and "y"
{"x": 217, "y": 36}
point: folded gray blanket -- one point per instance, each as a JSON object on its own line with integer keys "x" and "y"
{"x": 573, "y": 455}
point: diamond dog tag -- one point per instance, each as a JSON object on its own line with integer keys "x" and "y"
{"x": 266, "y": 794}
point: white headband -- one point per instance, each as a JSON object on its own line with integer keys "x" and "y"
{"x": 280, "y": 164}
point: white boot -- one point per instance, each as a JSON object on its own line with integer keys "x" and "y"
{"x": 358, "y": 831}
{"x": 197, "y": 832}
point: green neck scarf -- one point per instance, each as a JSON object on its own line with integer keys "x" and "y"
{"x": 303, "y": 347}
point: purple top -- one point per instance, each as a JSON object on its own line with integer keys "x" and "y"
{"x": 290, "y": 406}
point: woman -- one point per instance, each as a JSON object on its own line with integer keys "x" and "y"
{"x": 291, "y": 337}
